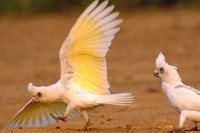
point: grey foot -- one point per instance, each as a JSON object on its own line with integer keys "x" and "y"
{"x": 194, "y": 128}
{"x": 58, "y": 118}
{"x": 178, "y": 130}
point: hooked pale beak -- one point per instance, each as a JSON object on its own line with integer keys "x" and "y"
{"x": 155, "y": 73}
{"x": 35, "y": 98}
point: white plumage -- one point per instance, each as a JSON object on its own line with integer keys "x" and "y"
{"x": 185, "y": 99}
{"x": 83, "y": 83}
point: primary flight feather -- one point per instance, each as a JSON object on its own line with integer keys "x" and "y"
{"x": 83, "y": 83}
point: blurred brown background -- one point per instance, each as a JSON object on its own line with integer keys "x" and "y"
{"x": 31, "y": 33}
{"x": 44, "y": 6}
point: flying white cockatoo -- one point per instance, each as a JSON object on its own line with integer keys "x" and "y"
{"x": 185, "y": 99}
{"x": 83, "y": 84}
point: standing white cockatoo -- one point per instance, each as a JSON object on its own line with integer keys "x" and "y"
{"x": 185, "y": 99}
{"x": 83, "y": 83}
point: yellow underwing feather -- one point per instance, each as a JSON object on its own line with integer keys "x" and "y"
{"x": 37, "y": 114}
{"x": 82, "y": 54}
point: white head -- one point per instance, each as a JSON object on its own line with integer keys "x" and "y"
{"x": 38, "y": 93}
{"x": 167, "y": 73}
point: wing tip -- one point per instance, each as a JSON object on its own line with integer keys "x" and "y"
{"x": 110, "y": 8}
{"x": 117, "y": 29}
{"x": 120, "y": 20}
{"x": 95, "y": 3}
{"x": 106, "y": 2}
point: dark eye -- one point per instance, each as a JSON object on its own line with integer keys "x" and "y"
{"x": 161, "y": 70}
{"x": 39, "y": 94}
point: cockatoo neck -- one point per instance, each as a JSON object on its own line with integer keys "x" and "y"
{"x": 167, "y": 86}
{"x": 173, "y": 79}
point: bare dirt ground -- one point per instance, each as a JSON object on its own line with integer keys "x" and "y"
{"x": 29, "y": 53}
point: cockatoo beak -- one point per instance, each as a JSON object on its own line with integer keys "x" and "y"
{"x": 155, "y": 73}
{"x": 35, "y": 98}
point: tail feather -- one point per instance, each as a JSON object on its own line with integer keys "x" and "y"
{"x": 123, "y": 99}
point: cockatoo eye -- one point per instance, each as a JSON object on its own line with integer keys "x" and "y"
{"x": 161, "y": 70}
{"x": 39, "y": 94}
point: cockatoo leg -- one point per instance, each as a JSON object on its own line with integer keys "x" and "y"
{"x": 86, "y": 117}
{"x": 182, "y": 119}
{"x": 67, "y": 111}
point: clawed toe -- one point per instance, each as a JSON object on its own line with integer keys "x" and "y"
{"x": 194, "y": 129}
{"x": 87, "y": 124}
{"x": 179, "y": 130}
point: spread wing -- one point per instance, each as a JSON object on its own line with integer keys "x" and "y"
{"x": 82, "y": 54}
{"x": 37, "y": 114}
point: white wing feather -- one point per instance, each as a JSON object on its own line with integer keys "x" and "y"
{"x": 37, "y": 114}
{"x": 82, "y": 55}
{"x": 184, "y": 98}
